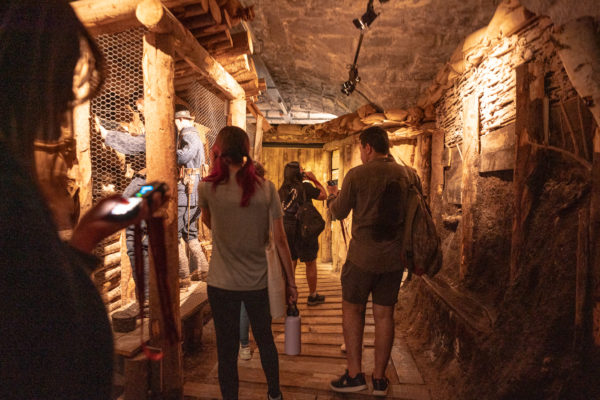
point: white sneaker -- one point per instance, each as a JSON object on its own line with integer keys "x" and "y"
{"x": 245, "y": 353}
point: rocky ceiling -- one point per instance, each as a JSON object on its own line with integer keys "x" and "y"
{"x": 307, "y": 46}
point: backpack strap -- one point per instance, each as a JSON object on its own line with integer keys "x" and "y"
{"x": 294, "y": 195}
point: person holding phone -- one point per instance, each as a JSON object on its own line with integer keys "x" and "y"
{"x": 299, "y": 186}
{"x": 55, "y": 337}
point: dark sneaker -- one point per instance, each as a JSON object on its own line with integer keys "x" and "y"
{"x": 346, "y": 384}
{"x": 380, "y": 386}
{"x": 315, "y": 300}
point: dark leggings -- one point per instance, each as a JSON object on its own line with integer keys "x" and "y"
{"x": 225, "y": 306}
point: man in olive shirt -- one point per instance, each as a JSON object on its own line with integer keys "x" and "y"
{"x": 375, "y": 192}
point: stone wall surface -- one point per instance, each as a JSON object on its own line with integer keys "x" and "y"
{"x": 307, "y": 46}
{"x": 495, "y": 82}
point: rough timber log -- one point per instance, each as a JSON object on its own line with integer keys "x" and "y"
{"x": 103, "y": 16}
{"x": 192, "y": 10}
{"x": 595, "y": 243}
{"x": 237, "y": 113}
{"x": 211, "y": 30}
{"x": 469, "y": 184}
{"x": 81, "y": 127}
{"x": 242, "y": 44}
{"x": 530, "y": 94}
{"x": 258, "y": 137}
{"x": 253, "y": 109}
{"x": 159, "y": 99}
{"x": 224, "y": 36}
{"x": 234, "y": 64}
{"x": 154, "y": 16}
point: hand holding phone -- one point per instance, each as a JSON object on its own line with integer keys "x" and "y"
{"x": 333, "y": 182}
{"x": 125, "y": 211}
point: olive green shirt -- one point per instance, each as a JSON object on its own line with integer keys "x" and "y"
{"x": 239, "y": 234}
{"x": 362, "y": 191}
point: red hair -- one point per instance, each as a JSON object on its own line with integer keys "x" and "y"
{"x": 233, "y": 147}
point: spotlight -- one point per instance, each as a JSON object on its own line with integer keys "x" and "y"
{"x": 353, "y": 79}
{"x": 368, "y": 17}
{"x": 361, "y": 23}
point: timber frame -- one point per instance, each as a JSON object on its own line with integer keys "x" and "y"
{"x": 186, "y": 42}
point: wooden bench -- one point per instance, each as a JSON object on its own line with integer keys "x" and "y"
{"x": 132, "y": 367}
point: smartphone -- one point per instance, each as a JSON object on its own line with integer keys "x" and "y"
{"x": 122, "y": 212}
{"x": 332, "y": 182}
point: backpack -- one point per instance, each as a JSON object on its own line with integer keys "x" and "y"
{"x": 311, "y": 221}
{"x": 421, "y": 243}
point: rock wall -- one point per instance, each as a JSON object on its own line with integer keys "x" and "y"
{"x": 514, "y": 199}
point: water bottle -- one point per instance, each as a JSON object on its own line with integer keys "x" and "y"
{"x": 292, "y": 331}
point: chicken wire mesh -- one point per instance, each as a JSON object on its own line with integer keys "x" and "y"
{"x": 209, "y": 111}
{"x": 115, "y": 107}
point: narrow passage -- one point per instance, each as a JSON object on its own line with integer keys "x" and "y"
{"x": 307, "y": 376}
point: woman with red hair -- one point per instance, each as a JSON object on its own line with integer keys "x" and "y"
{"x": 238, "y": 205}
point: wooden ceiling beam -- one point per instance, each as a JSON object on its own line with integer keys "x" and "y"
{"x": 104, "y": 16}
{"x": 236, "y": 64}
{"x": 225, "y": 25}
{"x": 157, "y": 18}
{"x": 192, "y": 10}
{"x": 255, "y": 111}
{"x": 207, "y": 41}
{"x": 242, "y": 44}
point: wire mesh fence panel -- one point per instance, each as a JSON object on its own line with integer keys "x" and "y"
{"x": 209, "y": 110}
{"x": 115, "y": 108}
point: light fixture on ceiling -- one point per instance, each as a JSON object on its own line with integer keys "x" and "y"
{"x": 368, "y": 17}
{"x": 362, "y": 24}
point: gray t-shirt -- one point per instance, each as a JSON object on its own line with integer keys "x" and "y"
{"x": 239, "y": 234}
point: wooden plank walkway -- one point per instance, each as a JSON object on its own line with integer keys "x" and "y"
{"x": 307, "y": 376}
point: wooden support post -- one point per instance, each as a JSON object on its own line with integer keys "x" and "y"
{"x": 423, "y": 161}
{"x": 326, "y": 236}
{"x": 530, "y": 109}
{"x": 470, "y": 152}
{"x": 81, "y": 127}
{"x": 595, "y": 244}
{"x": 161, "y": 162}
{"x": 237, "y": 113}
{"x": 258, "y": 137}
{"x": 154, "y": 16}
{"x": 437, "y": 176}
{"x": 582, "y": 278}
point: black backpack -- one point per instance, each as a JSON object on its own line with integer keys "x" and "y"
{"x": 421, "y": 242}
{"x": 311, "y": 221}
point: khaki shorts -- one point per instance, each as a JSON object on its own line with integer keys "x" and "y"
{"x": 358, "y": 283}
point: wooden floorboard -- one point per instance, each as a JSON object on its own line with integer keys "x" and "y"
{"x": 307, "y": 375}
